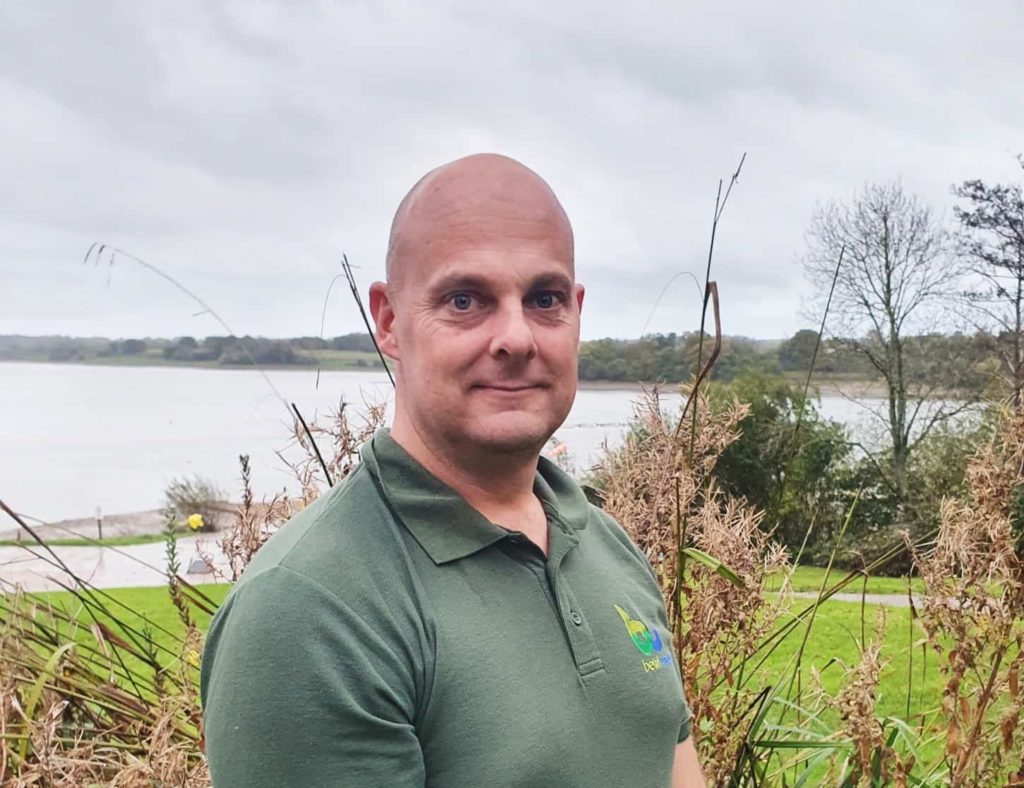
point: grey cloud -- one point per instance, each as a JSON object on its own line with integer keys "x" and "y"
{"x": 245, "y": 145}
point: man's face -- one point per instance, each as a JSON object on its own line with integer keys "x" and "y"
{"x": 485, "y": 330}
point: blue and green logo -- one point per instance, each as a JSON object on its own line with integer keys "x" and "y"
{"x": 647, "y": 641}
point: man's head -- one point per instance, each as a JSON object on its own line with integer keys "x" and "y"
{"x": 481, "y": 308}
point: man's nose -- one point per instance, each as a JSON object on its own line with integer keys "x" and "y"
{"x": 513, "y": 334}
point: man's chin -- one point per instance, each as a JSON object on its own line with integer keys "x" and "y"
{"x": 511, "y": 438}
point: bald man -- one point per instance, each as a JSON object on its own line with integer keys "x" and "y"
{"x": 455, "y": 613}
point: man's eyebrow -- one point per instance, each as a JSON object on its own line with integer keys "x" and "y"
{"x": 553, "y": 279}
{"x": 467, "y": 281}
{"x": 457, "y": 281}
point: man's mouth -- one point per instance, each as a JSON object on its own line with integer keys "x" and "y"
{"x": 510, "y": 388}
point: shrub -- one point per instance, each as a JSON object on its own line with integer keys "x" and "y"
{"x": 935, "y": 472}
{"x": 195, "y": 495}
{"x": 785, "y": 460}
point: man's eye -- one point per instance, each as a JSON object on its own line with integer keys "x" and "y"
{"x": 462, "y": 301}
{"x": 546, "y": 300}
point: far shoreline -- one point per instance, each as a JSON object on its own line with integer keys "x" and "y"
{"x": 826, "y": 387}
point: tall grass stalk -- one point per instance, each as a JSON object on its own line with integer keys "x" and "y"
{"x": 94, "y": 693}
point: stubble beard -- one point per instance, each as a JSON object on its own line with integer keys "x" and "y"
{"x": 525, "y": 441}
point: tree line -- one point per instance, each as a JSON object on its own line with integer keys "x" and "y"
{"x": 656, "y": 358}
{"x": 211, "y": 350}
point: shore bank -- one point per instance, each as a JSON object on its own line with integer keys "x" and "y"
{"x": 856, "y": 389}
{"x": 113, "y": 567}
{"x": 106, "y": 526}
{"x": 823, "y": 386}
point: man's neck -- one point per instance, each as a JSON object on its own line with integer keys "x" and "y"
{"x": 499, "y": 486}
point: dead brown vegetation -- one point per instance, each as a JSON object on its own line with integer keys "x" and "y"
{"x": 88, "y": 698}
{"x": 710, "y": 557}
{"x": 973, "y": 614}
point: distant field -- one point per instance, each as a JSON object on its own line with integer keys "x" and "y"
{"x": 325, "y": 359}
{"x": 854, "y": 385}
{"x": 345, "y": 359}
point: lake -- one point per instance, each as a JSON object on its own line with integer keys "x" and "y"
{"x": 76, "y": 437}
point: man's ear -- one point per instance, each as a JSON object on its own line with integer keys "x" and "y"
{"x": 578, "y": 292}
{"x": 382, "y": 309}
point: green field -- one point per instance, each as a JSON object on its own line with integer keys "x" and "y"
{"x": 138, "y": 606}
{"x": 70, "y": 541}
{"x": 909, "y": 687}
{"x": 813, "y": 578}
{"x": 834, "y": 642}
{"x": 344, "y": 359}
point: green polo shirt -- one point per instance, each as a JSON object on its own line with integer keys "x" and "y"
{"x": 390, "y": 635}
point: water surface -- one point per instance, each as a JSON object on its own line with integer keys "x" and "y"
{"x": 74, "y": 438}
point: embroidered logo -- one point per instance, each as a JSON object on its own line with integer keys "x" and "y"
{"x": 647, "y": 641}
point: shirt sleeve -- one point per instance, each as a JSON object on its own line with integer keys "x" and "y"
{"x": 687, "y": 725}
{"x": 299, "y": 688}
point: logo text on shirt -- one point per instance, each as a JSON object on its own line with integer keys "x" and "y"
{"x": 647, "y": 641}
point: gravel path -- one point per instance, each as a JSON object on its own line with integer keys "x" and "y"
{"x": 889, "y": 600}
{"x": 145, "y": 523}
{"x": 110, "y": 567}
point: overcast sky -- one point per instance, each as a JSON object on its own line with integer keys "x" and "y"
{"x": 242, "y": 147}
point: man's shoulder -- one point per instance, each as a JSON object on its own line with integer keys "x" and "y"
{"x": 332, "y": 541}
{"x": 333, "y": 588}
{"x": 607, "y": 526}
{"x": 614, "y": 536}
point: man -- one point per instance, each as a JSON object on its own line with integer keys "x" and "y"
{"x": 455, "y": 613}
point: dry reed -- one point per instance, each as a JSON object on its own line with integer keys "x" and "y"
{"x": 88, "y": 698}
{"x": 973, "y": 614}
{"x": 709, "y": 555}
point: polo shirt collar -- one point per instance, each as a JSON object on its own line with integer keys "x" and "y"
{"x": 442, "y": 521}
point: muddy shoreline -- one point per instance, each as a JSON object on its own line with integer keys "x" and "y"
{"x": 145, "y": 523}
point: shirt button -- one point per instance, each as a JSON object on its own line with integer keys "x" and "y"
{"x": 577, "y": 619}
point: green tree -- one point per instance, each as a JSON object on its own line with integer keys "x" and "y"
{"x": 992, "y": 239}
{"x": 785, "y": 471}
{"x": 797, "y": 351}
{"x": 182, "y": 349}
{"x": 936, "y": 472}
{"x": 133, "y": 347}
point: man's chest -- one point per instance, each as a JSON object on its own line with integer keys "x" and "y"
{"x": 549, "y": 676}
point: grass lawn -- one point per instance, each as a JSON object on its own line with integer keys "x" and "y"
{"x": 113, "y": 541}
{"x": 810, "y": 578}
{"x": 138, "y": 607}
{"x": 835, "y": 640}
{"x": 834, "y": 644}
{"x": 909, "y": 687}
{"x": 136, "y": 615}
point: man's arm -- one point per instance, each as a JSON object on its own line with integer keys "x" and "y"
{"x": 300, "y": 688}
{"x": 686, "y": 768}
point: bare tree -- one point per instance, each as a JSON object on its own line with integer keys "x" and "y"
{"x": 992, "y": 240}
{"x": 895, "y": 283}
